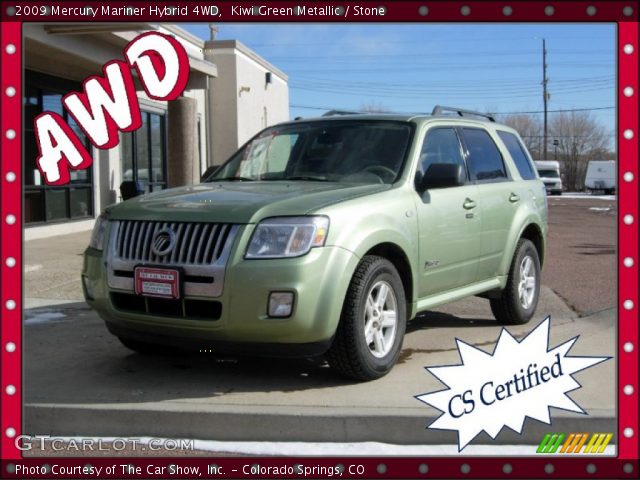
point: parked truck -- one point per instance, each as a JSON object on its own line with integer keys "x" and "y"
{"x": 601, "y": 176}
{"x": 549, "y": 173}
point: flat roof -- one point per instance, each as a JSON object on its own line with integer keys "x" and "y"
{"x": 241, "y": 47}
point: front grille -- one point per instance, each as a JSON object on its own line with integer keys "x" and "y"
{"x": 185, "y": 308}
{"x": 195, "y": 243}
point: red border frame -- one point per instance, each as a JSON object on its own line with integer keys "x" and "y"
{"x": 400, "y": 11}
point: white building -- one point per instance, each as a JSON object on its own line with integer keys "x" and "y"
{"x": 177, "y": 141}
{"x": 255, "y": 82}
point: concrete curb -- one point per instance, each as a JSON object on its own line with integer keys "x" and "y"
{"x": 288, "y": 425}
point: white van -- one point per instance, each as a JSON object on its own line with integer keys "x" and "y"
{"x": 549, "y": 173}
{"x": 601, "y": 176}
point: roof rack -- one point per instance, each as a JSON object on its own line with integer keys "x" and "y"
{"x": 439, "y": 110}
{"x": 331, "y": 113}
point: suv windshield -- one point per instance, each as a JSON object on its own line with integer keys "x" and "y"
{"x": 359, "y": 151}
{"x": 548, "y": 174}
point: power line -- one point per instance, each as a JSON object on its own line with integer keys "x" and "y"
{"x": 340, "y": 43}
{"x": 558, "y": 111}
{"x": 491, "y": 82}
{"x": 475, "y": 91}
{"x": 421, "y": 55}
{"x": 321, "y": 69}
{"x": 433, "y": 92}
{"x": 566, "y": 110}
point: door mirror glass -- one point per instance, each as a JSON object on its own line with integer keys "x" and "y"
{"x": 443, "y": 175}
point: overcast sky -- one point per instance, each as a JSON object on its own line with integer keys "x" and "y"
{"x": 411, "y": 67}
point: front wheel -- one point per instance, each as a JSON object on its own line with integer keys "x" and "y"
{"x": 519, "y": 299}
{"x": 372, "y": 324}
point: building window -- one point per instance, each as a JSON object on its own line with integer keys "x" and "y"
{"x": 44, "y": 203}
{"x": 143, "y": 153}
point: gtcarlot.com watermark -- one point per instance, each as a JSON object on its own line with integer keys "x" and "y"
{"x": 67, "y": 444}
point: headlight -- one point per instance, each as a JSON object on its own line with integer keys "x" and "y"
{"x": 280, "y": 237}
{"x": 97, "y": 236}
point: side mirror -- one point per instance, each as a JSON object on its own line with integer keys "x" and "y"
{"x": 130, "y": 189}
{"x": 442, "y": 175}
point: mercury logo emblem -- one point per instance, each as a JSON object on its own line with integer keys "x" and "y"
{"x": 163, "y": 242}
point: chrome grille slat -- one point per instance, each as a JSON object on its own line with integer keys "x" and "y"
{"x": 222, "y": 238}
{"x": 176, "y": 249}
{"x": 208, "y": 249}
{"x": 196, "y": 236}
{"x": 203, "y": 234}
{"x": 146, "y": 246}
{"x": 134, "y": 239}
{"x": 119, "y": 241}
{"x": 126, "y": 243}
{"x": 184, "y": 249}
{"x": 196, "y": 243}
{"x": 163, "y": 259}
{"x": 138, "y": 253}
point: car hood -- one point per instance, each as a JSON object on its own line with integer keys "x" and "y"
{"x": 238, "y": 202}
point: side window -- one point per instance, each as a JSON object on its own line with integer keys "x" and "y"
{"x": 441, "y": 145}
{"x": 485, "y": 160}
{"x": 519, "y": 155}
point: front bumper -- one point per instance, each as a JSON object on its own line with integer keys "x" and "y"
{"x": 319, "y": 281}
{"x": 553, "y": 189}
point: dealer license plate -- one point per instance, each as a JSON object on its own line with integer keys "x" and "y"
{"x": 157, "y": 282}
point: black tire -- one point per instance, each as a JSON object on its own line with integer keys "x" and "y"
{"x": 147, "y": 348}
{"x": 509, "y": 309}
{"x": 351, "y": 354}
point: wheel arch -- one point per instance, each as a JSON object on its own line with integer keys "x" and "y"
{"x": 396, "y": 255}
{"x": 533, "y": 233}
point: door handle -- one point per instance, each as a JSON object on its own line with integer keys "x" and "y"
{"x": 513, "y": 198}
{"x": 468, "y": 204}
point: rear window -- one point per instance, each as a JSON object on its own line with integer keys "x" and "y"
{"x": 519, "y": 155}
{"x": 485, "y": 161}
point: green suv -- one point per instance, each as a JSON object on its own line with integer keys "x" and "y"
{"x": 325, "y": 236}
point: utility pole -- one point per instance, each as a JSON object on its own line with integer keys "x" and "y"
{"x": 544, "y": 95}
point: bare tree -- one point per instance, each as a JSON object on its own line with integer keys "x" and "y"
{"x": 581, "y": 139}
{"x": 374, "y": 107}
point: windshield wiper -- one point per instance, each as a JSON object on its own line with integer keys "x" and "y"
{"x": 313, "y": 178}
{"x": 233, "y": 179}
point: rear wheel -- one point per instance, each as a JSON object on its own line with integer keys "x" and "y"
{"x": 519, "y": 299}
{"x": 373, "y": 321}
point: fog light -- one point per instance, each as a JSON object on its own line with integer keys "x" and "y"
{"x": 280, "y": 304}
{"x": 88, "y": 291}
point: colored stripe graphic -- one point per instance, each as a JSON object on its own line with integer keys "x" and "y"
{"x": 550, "y": 443}
{"x": 579, "y": 446}
{"x": 590, "y": 444}
{"x": 573, "y": 443}
{"x": 568, "y": 443}
{"x": 606, "y": 442}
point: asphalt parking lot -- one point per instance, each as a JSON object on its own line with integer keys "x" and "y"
{"x": 78, "y": 379}
{"x": 581, "y": 257}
